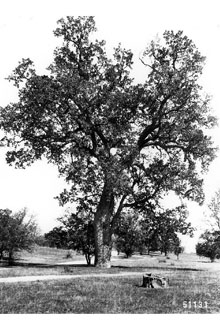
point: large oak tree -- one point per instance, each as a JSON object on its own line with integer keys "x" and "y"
{"x": 120, "y": 144}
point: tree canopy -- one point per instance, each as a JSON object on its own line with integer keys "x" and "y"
{"x": 209, "y": 245}
{"x": 80, "y": 233}
{"x": 17, "y": 232}
{"x": 165, "y": 225}
{"x": 157, "y": 231}
{"x": 128, "y": 234}
{"x": 57, "y": 237}
{"x": 119, "y": 144}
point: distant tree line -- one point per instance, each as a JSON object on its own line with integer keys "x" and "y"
{"x": 133, "y": 233}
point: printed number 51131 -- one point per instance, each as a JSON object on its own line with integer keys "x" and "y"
{"x": 188, "y": 304}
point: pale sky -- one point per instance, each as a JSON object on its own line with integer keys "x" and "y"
{"x": 26, "y": 30}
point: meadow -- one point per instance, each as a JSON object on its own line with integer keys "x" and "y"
{"x": 193, "y": 285}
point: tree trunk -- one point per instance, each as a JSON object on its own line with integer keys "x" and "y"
{"x": 103, "y": 228}
{"x": 10, "y": 258}
{"x": 88, "y": 259}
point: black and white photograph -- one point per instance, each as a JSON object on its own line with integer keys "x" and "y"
{"x": 109, "y": 157}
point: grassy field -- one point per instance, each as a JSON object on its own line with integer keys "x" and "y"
{"x": 194, "y": 286}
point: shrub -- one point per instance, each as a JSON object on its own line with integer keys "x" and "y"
{"x": 209, "y": 245}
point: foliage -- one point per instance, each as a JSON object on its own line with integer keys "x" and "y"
{"x": 209, "y": 245}
{"x": 170, "y": 223}
{"x": 16, "y": 233}
{"x": 41, "y": 240}
{"x": 80, "y": 233}
{"x": 152, "y": 231}
{"x": 119, "y": 144}
{"x": 167, "y": 242}
{"x": 159, "y": 230}
{"x": 76, "y": 232}
{"x": 177, "y": 248}
{"x": 57, "y": 237}
{"x": 128, "y": 234}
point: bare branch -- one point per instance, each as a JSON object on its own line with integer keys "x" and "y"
{"x": 149, "y": 66}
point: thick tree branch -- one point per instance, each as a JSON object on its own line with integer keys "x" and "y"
{"x": 119, "y": 209}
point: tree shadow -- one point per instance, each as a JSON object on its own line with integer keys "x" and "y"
{"x": 143, "y": 287}
{"x": 160, "y": 268}
{"x": 41, "y": 265}
{"x": 68, "y": 267}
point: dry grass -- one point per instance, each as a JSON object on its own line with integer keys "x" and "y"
{"x": 114, "y": 295}
{"x": 194, "y": 286}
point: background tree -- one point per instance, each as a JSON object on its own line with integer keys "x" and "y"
{"x": 169, "y": 223}
{"x": 167, "y": 242}
{"x": 160, "y": 228}
{"x": 41, "y": 240}
{"x": 214, "y": 207}
{"x": 57, "y": 237}
{"x": 80, "y": 233}
{"x": 128, "y": 235}
{"x": 178, "y": 249}
{"x": 148, "y": 240}
{"x": 16, "y": 232}
{"x": 209, "y": 245}
{"x": 122, "y": 143}
{"x": 138, "y": 232}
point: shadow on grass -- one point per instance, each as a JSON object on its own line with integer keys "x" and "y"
{"x": 157, "y": 267}
{"x": 85, "y": 266}
{"x": 41, "y": 265}
{"x": 143, "y": 287}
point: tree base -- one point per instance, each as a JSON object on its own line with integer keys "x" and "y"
{"x": 106, "y": 264}
{"x": 154, "y": 281}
